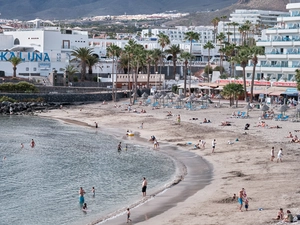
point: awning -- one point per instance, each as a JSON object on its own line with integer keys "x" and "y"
{"x": 275, "y": 93}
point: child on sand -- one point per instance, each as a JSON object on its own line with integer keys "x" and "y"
{"x": 128, "y": 216}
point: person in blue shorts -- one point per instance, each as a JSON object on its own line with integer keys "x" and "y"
{"x": 240, "y": 199}
{"x": 81, "y": 194}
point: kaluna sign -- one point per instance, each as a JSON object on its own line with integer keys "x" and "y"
{"x": 25, "y": 56}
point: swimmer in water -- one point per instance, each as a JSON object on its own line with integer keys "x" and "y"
{"x": 22, "y": 145}
{"x": 126, "y": 147}
{"x": 84, "y": 207}
{"x": 4, "y": 158}
{"x": 81, "y": 193}
{"x": 119, "y": 147}
{"x": 93, "y": 191}
{"x": 32, "y": 143}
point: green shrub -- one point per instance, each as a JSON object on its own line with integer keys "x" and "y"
{"x": 95, "y": 79}
{"x": 7, "y": 99}
{"x": 75, "y": 79}
{"x": 19, "y": 87}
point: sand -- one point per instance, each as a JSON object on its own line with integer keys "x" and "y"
{"x": 243, "y": 164}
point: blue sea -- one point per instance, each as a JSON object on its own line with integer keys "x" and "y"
{"x": 39, "y": 186}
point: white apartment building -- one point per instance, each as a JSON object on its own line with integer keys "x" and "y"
{"x": 282, "y": 49}
{"x": 258, "y": 18}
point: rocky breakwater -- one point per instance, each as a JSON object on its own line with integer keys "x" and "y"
{"x": 21, "y": 108}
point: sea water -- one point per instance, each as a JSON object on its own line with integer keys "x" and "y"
{"x": 39, "y": 186}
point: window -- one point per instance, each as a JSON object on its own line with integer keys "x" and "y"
{"x": 16, "y": 41}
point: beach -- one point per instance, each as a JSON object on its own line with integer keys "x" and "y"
{"x": 243, "y": 164}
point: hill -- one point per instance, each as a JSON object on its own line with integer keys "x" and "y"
{"x": 204, "y": 18}
{"x": 72, "y": 9}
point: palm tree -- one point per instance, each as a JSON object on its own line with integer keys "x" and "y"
{"x": 222, "y": 52}
{"x": 191, "y": 36}
{"x": 71, "y": 70}
{"x": 148, "y": 61}
{"x": 215, "y": 21}
{"x": 82, "y": 54}
{"x": 91, "y": 61}
{"x": 208, "y": 46}
{"x": 221, "y": 37}
{"x": 114, "y": 51}
{"x": 186, "y": 58}
{"x": 156, "y": 56}
{"x": 163, "y": 40}
{"x": 230, "y": 51}
{"x": 255, "y": 52}
{"x": 234, "y": 24}
{"x": 174, "y": 50}
{"x": 242, "y": 57}
{"x": 15, "y": 61}
{"x": 232, "y": 90}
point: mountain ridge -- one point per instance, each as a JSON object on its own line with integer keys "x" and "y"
{"x": 72, "y": 9}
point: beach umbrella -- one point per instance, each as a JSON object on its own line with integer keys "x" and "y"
{"x": 162, "y": 98}
{"x": 167, "y": 97}
{"x": 203, "y": 98}
{"x": 219, "y": 97}
{"x": 181, "y": 96}
{"x": 298, "y": 111}
{"x": 248, "y": 107}
{"x": 265, "y": 108}
{"x": 155, "y": 97}
{"x": 283, "y": 108}
{"x": 172, "y": 95}
{"x": 144, "y": 94}
{"x": 178, "y": 100}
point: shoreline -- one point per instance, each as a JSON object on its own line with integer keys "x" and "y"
{"x": 246, "y": 163}
{"x": 182, "y": 175}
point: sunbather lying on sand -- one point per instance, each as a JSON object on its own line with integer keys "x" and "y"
{"x": 225, "y": 123}
{"x": 276, "y": 127}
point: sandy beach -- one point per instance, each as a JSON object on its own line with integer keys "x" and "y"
{"x": 243, "y": 164}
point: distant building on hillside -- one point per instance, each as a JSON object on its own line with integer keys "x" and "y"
{"x": 259, "y": 19}
{"x": 282, "y": 50}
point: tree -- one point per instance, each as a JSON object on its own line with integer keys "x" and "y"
{"x": 191, "y": 36}
{"x": 230, "y": 52}
{"x": 186, "y": 58}
{"x": 114, "y": 51}
{"x": 233, "y": 91}
{"x": 91, "y": 61}
{"x": 208, "y": 46}
{"x": 242, "y": 57}
{"x": 71, "y": 70}
{"x": 215, "y": 21}
{"x": 82, "y": 54}
{"x": 163, "y": 40}
{"x": 149, "y": 62}
{"x": 255, "y": 52}
{"x": 156, "y": 56}
{"x": 174, "y": 50}
{"x": 222, "y": 52}
{"x": 15, "y": 61}
{"x": 234, "y": 24}
{"x": 297, "y": 77}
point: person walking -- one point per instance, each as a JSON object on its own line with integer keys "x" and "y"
{"x": 272, "y": 154}
{"x": 128, "y": 215}
{"x": 279, "y": 155}
{"x": 213, "y": 145}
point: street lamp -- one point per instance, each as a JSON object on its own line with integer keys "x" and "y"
{"x": 155, "y": 81}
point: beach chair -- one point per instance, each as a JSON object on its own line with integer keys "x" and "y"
{"x": 278, "y": 117}
{"x": 284, "y": 118}
{"x": 155, "y": 104}
{"x": 244, "y": 115}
